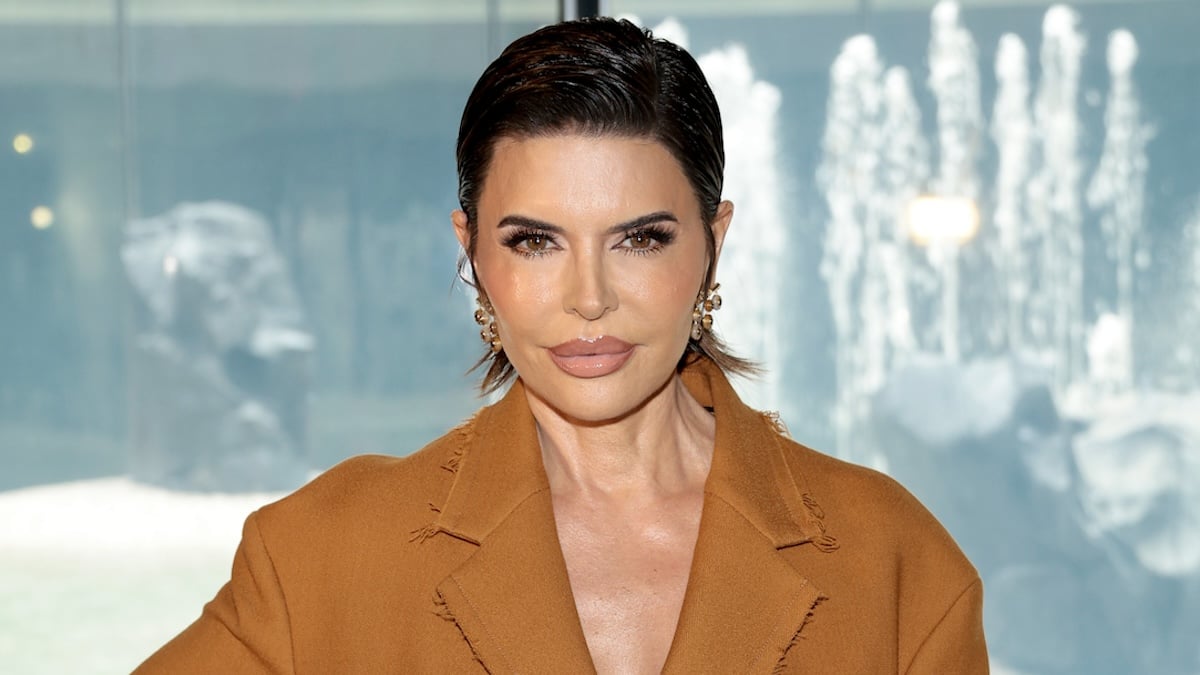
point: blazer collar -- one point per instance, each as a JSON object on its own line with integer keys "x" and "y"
{"x": 502, "y": 466}
{"x": 749, "y": 469}
{"x": 512, "y": 598}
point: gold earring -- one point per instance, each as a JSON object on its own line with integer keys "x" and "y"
{"x": 489, "y": 333}
{"x": 702, "y": 320}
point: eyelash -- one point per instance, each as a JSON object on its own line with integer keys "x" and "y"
{"x": 660, "y": 235}
{"x": 518, "y": 237}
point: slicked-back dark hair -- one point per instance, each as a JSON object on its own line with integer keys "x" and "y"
{"x": 600, "y": 77}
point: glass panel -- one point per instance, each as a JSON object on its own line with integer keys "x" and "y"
{"x": 63, "y": 303}
{"x": 966, "y": 248}
{"x": 61, "y": 196}
{"x": 226, "y": 263}
{"x": 340, "y": 138}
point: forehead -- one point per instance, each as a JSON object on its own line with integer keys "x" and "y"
{"x": 580, "y": 175}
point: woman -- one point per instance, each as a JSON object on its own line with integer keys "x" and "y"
{"x": 619, "y": 510}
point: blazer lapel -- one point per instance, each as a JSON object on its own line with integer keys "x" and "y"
{"x": 745, "y": 604}
{"x": 512, "y": 598}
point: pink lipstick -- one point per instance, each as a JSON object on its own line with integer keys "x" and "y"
{"x": 591, "y": 358}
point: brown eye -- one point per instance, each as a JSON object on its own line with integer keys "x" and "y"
{"x": 640, "y": 240}
{"x": 530, "y": 242}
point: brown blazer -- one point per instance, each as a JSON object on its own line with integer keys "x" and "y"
{"x": 447, "y": 561}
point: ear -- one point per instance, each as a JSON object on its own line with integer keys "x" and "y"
{"x": 720, "y": 226}
{"x": 459, "y": 218}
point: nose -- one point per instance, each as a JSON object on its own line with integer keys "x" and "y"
{"x": 589, "y": 292}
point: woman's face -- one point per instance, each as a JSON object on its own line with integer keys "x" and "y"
{"x": 591, "y": 251}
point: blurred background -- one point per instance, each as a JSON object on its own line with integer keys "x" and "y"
{"x": 966, "y": 248}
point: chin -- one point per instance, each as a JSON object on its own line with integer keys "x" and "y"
{"x": 600, "y": 400}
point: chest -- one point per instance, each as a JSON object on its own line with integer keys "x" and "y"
{"x": 628, "y": 574}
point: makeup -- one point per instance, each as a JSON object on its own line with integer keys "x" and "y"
{"x": 591, "y": 358}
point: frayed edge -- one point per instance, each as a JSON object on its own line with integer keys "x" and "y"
{"x": 455, "y": 461}
{"x": 813, "y": 507}
{"x": 781, "y": 665}
{"x": 813, "y": 513}
{"x": 420, "y": 534}
{"x": 442, "y": 611}
{"x": 776, "y": 422}
{"x": 824, "y": 542}
{"x": 464, "y": 433}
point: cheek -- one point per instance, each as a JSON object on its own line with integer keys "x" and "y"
{"x": 517, "y": 293}
{"x": 665, "y": 292}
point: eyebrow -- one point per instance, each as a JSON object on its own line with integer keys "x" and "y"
{"x": 627, "y": 226}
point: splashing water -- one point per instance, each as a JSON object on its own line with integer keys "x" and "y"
{"x": 1055, "y": 211}
{"x": 1118, "y": 187}
{"x": 1012, "y": 131}
{"x": 904, "y": 173}
{"x": 954, "y": 81}
{"x": 876, "y": 160}
{"x": 851, "y": 150}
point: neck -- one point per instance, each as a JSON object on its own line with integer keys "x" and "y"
{"x": 662, "y": 448}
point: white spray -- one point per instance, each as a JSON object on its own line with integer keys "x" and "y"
{"x": 954, "y": 81}
{"x": 1118, "y": 188}
{"x": 1054, "y": 203}
{"x": 1012, "y": 131}
{"x": 851, "y": 146}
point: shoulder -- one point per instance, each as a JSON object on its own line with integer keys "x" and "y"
{"x": 366, "y": 493}
{"x": 852, "y": 486}
{"x": 873, "y": 515}
{"x": 894, "y": 564}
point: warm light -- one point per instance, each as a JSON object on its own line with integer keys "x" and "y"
{"x": 942, "y": 220}
{"x": 41, "y": 217}
{"x": 170, "y": 265}
{"x": 22, "y": 143}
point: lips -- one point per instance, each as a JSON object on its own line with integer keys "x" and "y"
{"x": 591, "y": 358}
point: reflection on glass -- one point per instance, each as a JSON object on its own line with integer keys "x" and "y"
{"x": 22, "y": 144}
{"x": 934, "y": 219}
{"x": 335, "y": 122}
{"x": 42, "y": 217}
{"x": 221, "y": 366}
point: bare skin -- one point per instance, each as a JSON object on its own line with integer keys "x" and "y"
{"x": 627, "y": 521}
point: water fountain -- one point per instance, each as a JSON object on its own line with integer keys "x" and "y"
{"x": 1033, "y": 247}
{"x": 1117, "y": 191}
{"x": 1012, "y": 132}
{"x": 970, "y": 419}
{"x": 853, "y": 145}
{"x": 1055, "y": 213}
{"x": 954, "y": 81}
{"x": 904, "y": 172}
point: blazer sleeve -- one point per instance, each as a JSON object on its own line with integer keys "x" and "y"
{"x": 956, "y": 644}
{"x": 244, "y": 629}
